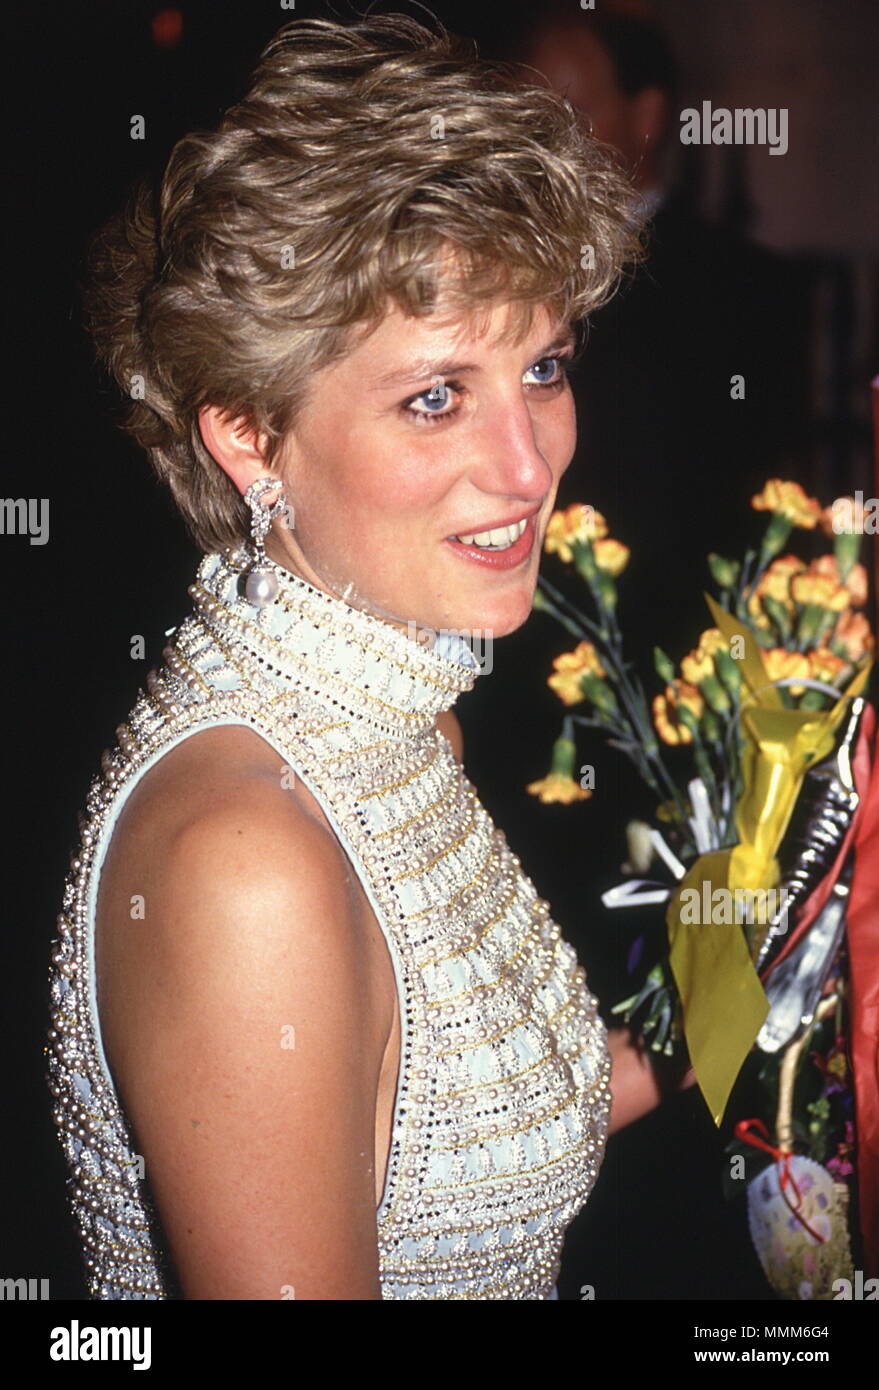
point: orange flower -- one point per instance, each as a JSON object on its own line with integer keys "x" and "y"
{"x": 688, "y": 696}
{"x": 666, "y": 716}
{"x": 782, "y": 665}
{"x": 821, "y": 591}
{"x": 712, "y": 640}
{"x": 558, "y": 786}
{"x": 569, "y": 667}
{"x": 756, "y": 610}
{"x": 669, "y": 730}
{"x": 698, "y": 665}
{"x": 856, "y": 583}
{"x": 576, "y": 523}
{"x": 825, "y": 665}
{"x": 790, "y": 501}
{"x": 611, "y": 556}
{"x": 853, "y": 634}
{"x": 775, "y": 580}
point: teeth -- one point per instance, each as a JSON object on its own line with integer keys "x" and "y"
{"x": 500, "y": 539}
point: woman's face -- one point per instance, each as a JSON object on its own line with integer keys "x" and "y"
{"x": 421, "y": 434}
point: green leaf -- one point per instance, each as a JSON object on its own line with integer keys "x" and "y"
{"x": 664, "y": 666}
{"x": 724, "y": 572}
{"x": 779, "y": 615}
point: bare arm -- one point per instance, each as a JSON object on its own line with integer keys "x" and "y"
{"x": 250, "y": 1057}
{"x": 639, "y": 1079}
{"x": 447, "y": 723}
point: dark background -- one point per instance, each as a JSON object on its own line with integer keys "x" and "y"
{"x": 118, "y": 560}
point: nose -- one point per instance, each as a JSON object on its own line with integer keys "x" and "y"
{"x": 511, "y": 461}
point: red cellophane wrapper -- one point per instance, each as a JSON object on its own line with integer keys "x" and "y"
{"x": 863, "y": 943}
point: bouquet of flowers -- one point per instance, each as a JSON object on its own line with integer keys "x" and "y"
{"x": 755, "y": 751}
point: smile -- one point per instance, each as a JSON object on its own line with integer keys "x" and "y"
{"x": 501, "y": 548}
{"x": 499, "y": 539}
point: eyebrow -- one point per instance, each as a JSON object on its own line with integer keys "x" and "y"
{"x": 412, "y": 372}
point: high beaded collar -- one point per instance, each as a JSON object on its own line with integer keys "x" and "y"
{"x": 307, "y": 638}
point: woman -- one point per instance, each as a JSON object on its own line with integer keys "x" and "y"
{"x": 315, "y": 1035}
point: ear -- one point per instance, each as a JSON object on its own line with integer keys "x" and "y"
{"x": 235, "y": 445}
{"x": 649, "y": 117}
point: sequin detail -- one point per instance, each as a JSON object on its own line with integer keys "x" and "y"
{"x": 503, "y": 1098}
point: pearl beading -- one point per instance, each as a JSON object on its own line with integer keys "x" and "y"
{"x": 503, "y": 1096}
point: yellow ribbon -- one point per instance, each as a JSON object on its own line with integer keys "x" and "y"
{"x": 723, "y": 1002}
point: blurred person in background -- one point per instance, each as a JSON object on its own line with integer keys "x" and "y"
{"x": 671, "y": 444}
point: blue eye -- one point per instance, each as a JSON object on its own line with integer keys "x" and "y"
{"x": 433, "y": 404}
{"x": 436, "y": 397}
{"x": 552, "y": 363}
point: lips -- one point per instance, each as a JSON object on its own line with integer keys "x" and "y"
{"x": 507, "y": 558}
{"x": 497, "y": 525}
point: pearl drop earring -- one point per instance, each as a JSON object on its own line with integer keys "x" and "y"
{"x": 259, "y": 584}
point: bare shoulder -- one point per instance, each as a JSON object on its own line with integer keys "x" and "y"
{"x": 240, "y": 1019}
{"x": 205, "y": 770}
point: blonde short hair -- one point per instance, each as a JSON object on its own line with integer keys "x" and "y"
{"x": 358, "y": 154}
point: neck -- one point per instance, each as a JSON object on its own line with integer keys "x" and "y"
{"x": 287, "y": 555}
{"x": 307, "y": 638}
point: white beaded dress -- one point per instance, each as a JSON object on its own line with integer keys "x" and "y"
{"x": 502, "y": 1099}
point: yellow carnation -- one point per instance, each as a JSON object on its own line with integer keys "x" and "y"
{"x": 666, "y": 717}
{"x": 558, "y": 786}
{"x": 698, "y": 665}
{"x": 712, "y": 640}
{"x": 790, "y": 501}
{"x": 821, "y": 591}
{"x": 856, "y": 583}
{"x": 569, "y": 667}
{"x": 782, "y": 665}
{"x": 611, "y": 555}
{"x": 576, "y": 523}
{"x": 689, "y": 696}
{"x": 853, "y": 634}
{"x": 775, "y": 581}
{"x": 825, "y": 665}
